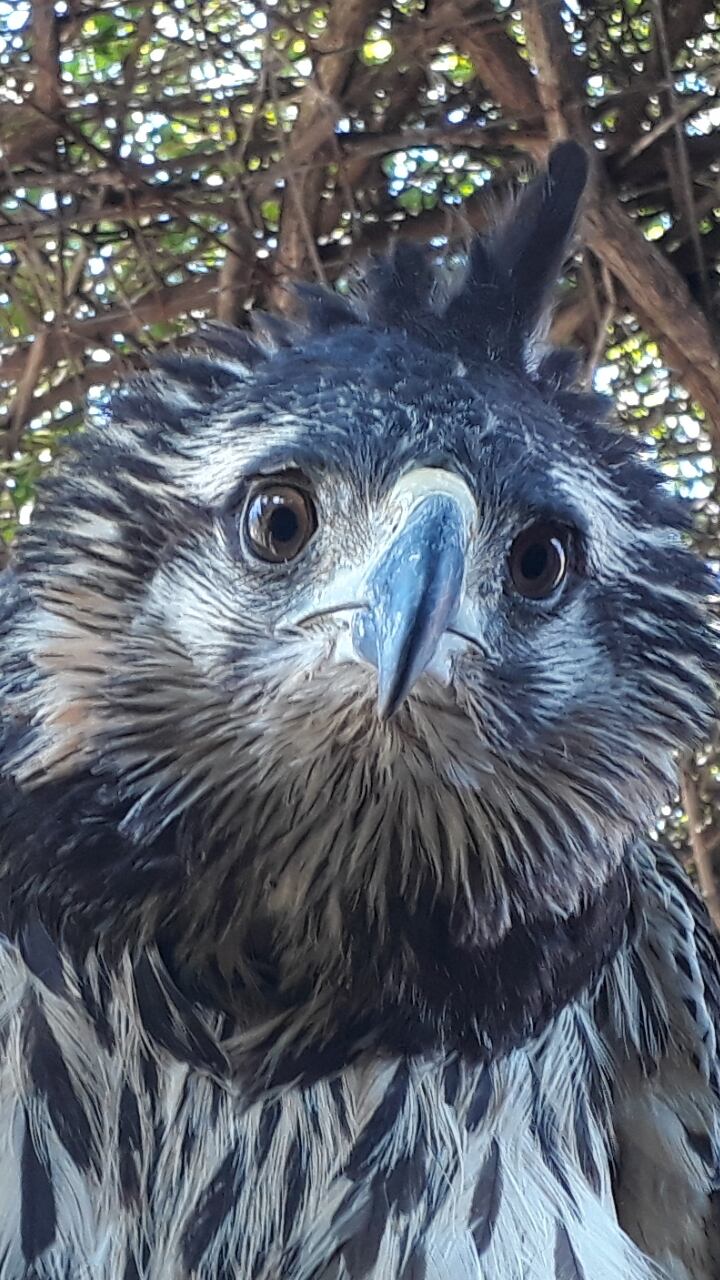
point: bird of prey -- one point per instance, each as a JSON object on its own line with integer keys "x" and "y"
{"x": 345, "y": 665}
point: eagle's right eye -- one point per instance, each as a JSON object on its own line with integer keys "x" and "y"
{"x": 539, "y": 560}
{"x": 280, "y": 519}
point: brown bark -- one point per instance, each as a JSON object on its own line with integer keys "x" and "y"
{"x": 662, "y": 301}
{"x": 704, "y": 846}
{"x": 495, "y": 56}
{"x": 21, "y": 408}
{"x": 47, "y": 94}
{"x": 29, "y": 132}
{"x": 320, "y": 108}
{"x": 560, "y": 81}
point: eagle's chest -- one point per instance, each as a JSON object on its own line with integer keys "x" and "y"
{"x": 394, "y": 1170}
{"x": 129, "y": 1159}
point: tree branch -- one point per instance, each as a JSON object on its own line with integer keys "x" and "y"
{"x": 319, "y": 110}
{"x": 705, "y": 853}
{"x": 495, "y": 56}
{"x": 654, "y": 287}
{"x": 681, "y": 167}
{"x": 26, "y": 132}
{"x": 560, "y": 82}
{"x": 661, "y": 300}
{"x": 682, "y": 20}
{"x": 35, "y": 359}
{"x": 155, "y": 308}
{"x": 47, "y": 94}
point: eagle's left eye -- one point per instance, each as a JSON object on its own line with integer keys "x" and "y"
{"x": 280, "y": 520}
{"x": 539, "y": 560}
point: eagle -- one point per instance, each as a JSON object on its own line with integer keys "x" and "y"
{"x": 345, "y": 666}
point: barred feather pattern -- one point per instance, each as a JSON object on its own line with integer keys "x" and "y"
{"x": 121, "y": 1159}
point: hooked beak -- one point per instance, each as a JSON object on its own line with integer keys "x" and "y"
{"x": 414, "y": 590}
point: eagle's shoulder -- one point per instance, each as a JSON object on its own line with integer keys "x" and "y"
{"x": 666, "y": 1113}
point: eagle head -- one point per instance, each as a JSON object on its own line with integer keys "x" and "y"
{"x": 336, "y": 639}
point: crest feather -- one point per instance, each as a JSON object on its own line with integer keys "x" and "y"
{"x": 500, "y": 304}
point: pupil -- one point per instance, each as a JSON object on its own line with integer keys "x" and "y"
{"x": 534, "y": 562}
{"x": 283, "y": 524}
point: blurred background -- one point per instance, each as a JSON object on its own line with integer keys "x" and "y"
{"x": 166, "y": 160}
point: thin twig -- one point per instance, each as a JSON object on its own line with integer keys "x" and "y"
{"x": 21, "y": 405}
{"x": 684, "y": 171}
{"x": 686, "y": 107}
{"x": 701, "y": 841}
{"x": 604, "y": 321}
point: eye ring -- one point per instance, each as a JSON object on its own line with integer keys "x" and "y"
{"x": 539, "y": 559}
{"x": 278, "y": 521}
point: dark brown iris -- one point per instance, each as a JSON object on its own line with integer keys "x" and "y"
{"x": 539, "y": 560}
{"x": 280, "y": 520}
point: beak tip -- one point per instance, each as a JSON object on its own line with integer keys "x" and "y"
{"x": 386, "y": 711}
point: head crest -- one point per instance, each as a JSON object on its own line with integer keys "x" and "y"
{"x": 499, "y": 306}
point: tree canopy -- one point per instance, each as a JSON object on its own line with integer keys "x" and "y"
{"x": 164, "y": 160}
